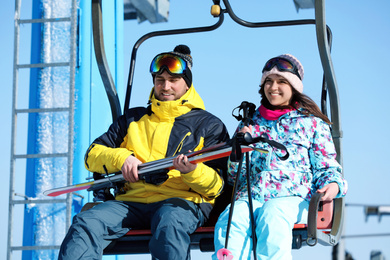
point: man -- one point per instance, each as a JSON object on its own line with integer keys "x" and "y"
{"x": 174, "y": 204}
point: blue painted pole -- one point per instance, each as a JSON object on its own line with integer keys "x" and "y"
{"x": 45, "y": 224}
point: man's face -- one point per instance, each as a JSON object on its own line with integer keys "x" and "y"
{"x": 168, "y": 87}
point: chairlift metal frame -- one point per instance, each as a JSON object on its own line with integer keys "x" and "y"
{"x": 309, "y": 233}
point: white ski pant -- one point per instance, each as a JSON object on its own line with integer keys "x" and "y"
{"x": 275, "y": 221}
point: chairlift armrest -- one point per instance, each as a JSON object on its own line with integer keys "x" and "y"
{"x": 320, "y": 216}
{"x": 338, "y": 217}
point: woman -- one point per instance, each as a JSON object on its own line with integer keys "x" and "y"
{"x": 281, "y": 189}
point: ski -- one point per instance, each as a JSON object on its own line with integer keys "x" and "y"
{"x": 211, "y": 153}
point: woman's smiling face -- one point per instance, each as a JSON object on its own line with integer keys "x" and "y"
{"x": 277, "y": 90}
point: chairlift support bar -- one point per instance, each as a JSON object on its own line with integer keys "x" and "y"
{"x": 98, "y": 41}
{"x": 331, "y": 84}
{"x": 160, "y": 33}
{"x": 291, "y": 23}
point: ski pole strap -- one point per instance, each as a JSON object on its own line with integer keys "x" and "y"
{"x": 108, "y": 177}
{"x": 247, "y": 109}
{"x": 246, "y": 139}
{"x": 264, "y": 138}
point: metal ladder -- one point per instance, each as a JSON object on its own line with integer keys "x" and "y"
{"x": 71, "y": 63}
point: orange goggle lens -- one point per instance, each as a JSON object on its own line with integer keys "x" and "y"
{"x": 173, "y": 63}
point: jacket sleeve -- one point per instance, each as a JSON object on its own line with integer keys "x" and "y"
{"x": 322, "y": 154}
{"x": 207, "y": 178}
{"x": 109, "y": 151}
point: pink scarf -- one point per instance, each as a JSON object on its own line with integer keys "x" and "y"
{"x": 272, "y": 114}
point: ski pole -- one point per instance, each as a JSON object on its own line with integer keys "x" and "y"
{"x": 248, "y": 111}
{"x": 224, "y": 253}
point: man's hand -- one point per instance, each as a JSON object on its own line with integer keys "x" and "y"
{"x": 331, "y": 190}
{"x": 182, "y": 164}
{"x": 130, "y": 169}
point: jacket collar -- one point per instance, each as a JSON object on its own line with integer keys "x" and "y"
{"x": 169, "y": 110}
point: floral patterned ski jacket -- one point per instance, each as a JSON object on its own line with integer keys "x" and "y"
{"x": 311, "y": 164}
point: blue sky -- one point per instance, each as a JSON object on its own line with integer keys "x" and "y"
{"x": 227, "y": 70}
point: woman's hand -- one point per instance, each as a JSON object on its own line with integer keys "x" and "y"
{"x": 246, "y": 129}
{"x": 331, "y": 190}
{"x": 130, "y": 169}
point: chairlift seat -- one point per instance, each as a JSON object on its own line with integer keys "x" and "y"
{"x": 136, "y": 241}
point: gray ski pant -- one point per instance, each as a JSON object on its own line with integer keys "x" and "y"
{"x": 171, "y": 222}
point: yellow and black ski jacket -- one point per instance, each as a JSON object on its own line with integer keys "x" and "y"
{"x": 164, "y": 129}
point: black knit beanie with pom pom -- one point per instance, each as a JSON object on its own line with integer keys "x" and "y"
{"x": 184, "y": 52}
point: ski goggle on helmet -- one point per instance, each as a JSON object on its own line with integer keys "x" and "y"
{"x": 282, "y": 65}
{"x": 174, "y": 64}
